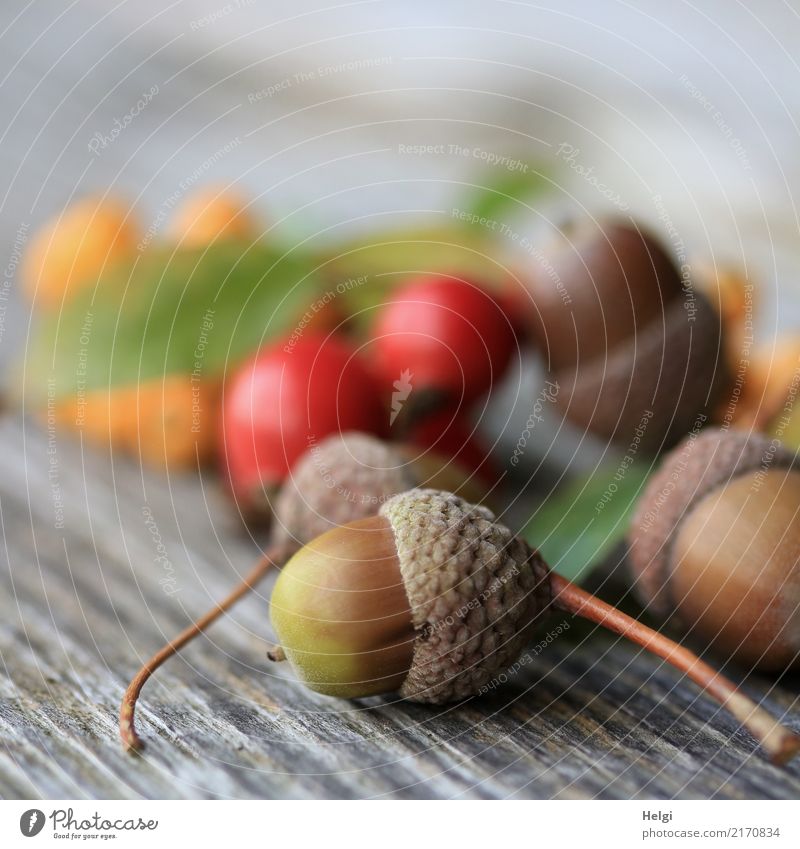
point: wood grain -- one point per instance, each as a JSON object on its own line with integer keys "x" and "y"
{"x": 589, "y": 717}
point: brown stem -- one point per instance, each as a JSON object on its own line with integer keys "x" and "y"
{"x": 778, "y": 741}
{"x": 419, "y": 405}
{"x": 127, "y": 730}
{"x": 276, "y": 654}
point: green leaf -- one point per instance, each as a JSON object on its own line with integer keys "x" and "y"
{"x": 170, "y": 312}
{"x": 579, "y": 525}
{"x": 502, "y": 196}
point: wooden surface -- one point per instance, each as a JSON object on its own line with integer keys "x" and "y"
{"x": 81, "y": 606}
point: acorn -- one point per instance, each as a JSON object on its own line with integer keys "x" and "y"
{"x": 714, "y": 547}
{"x": 433, "y": 599}
{"x": 627, "y": 342}
{"x": 349, "y": 476}
{"x": 448, "y": 334}
{"x": 430, "y": 598}
{"x": 345, "y": 477}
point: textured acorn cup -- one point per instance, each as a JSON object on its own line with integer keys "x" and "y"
{"x": 432, "y": 599}
{"x": 344, "y": 478}
{"x": 714, "y": 546}
{"x": 349, "y": 476}
{"x": 630, "y": 350}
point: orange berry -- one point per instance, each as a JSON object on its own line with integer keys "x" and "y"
{"x": 770, "y": 382}
{"x": 731, "y": 294}
{"x": 167, "y": 422}
{"x": 71, "y": 250}
{"x": 212, "y": 213}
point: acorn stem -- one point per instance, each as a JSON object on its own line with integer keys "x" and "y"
{"x": 276, "y": 654}
{"x": 422, "y": 403}
{"x": 127, "y": 730}
{"x": 780, "y": 743}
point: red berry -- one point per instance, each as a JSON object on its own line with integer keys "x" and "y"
{"x": 450, "y": 335}
{"x": 286, "y": 398}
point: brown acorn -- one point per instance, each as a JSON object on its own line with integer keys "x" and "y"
{"x": 599, "y": 282}
{"x": 714, "y": 546}
{"x": 433, "y": 599}
{"x": 345, "y": 478}
{"x": 464, "y": 584}
{"x": 631, "y": 348}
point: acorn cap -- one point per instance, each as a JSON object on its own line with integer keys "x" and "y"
{"x": 344, "y": 478}
{"x": 475, "y": 590}
{"x": 348, "y": 476}
{"x": 694, "y": 469}
{"x": 653, "y": 386}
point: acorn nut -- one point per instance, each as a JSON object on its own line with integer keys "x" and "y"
{"x": 631, "y": 348}
{"x": 431, "y": 599}
{"x": 714, "y": 546}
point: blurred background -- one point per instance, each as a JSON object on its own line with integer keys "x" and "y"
{"x": 692, "y": 102}
{"x": 338, "y": 119}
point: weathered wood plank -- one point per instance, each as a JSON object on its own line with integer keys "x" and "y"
{"x": 82, "y": 605}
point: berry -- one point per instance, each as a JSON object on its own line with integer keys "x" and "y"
{"x": 451, "y": 435}
{"x": 635, "y": 356}
{"x": 449, "y": 336}
{"x": 433, "y": 598}
{"x": 211, "y": 213}
{"x": 601, "y": 282}
{"x": 286, "y": 399}
{"x": 71, "y": 250}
